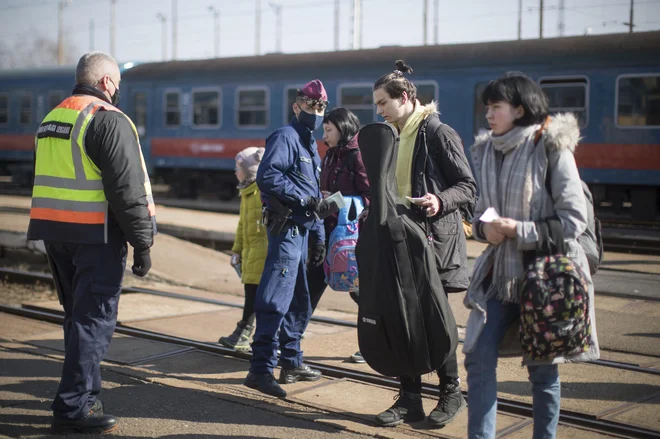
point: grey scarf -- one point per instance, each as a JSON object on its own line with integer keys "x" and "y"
{"x": 507, "y": 186}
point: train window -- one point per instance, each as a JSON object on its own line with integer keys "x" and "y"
{"x": 172, "y": 109}
{"x": 4, "y": 109}
{"x": 480, "y": 122}
{"x": 140, "y": 112}
{"x": 567, "y": 95}
{"x": 427, "y": 91}
{"x": 359, "y": 99}
{"x": 638, "y": 101}
{"x": 252, "y": 107}
{"x": 206, "y": 107}
{"x": 54, "y": 99}
{"x": 289, "y": 99}
{"x": 25, "y": 109}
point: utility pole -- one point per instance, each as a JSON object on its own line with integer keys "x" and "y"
{"x": 216, "y": 31}
{"x": 257, "y": 28}
{"x": 436, "y": 22}
{"x": 163, "y": 21}
{"x": 113, "y": 21}
{"x": 425, "y": 20}
{"x": 357, "y": 24}
{"x": 91, "y": 35}
{"x": 60, "y": 30}
{"x": 560, "y": 18}
{"x": 277, "y": 6}
{"x": 336, "y": 24}
{"x": 520, "y": 19}
{"x": 630, "y": 23}
{"x": 541, "y": 21}
{"x": 174, "y": 28}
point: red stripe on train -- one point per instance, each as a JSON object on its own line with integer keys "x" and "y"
{"x": 613, "y": 156}
{"x": 17, "y": 142}
{"x": 207, "y": 148}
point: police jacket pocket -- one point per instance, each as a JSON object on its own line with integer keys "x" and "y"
{"x": 107, "y": 300}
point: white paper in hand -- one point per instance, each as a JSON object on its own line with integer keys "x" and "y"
{"x": 489, "y": 215}
{"x": 336, "y": 198}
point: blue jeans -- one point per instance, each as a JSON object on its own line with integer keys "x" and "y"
{"x": 481, "y": 367}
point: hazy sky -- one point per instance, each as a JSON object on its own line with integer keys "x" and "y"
{"x": 308, "y": 25}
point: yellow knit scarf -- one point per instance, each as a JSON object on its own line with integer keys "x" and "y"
{"x": 407, "y": 137}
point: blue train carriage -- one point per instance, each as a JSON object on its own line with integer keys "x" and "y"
{"x": 26, "y": 96}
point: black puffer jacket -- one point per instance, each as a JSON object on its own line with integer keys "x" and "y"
{"x": 113, "y": 147}
{"x": 440, "y": 167}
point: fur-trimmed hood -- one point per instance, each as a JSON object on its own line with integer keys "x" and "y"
{"x": 430, "y": 108}
{"x": 562, "y": 132}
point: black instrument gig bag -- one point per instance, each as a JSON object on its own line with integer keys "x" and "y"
{"x": 405, "y": 324}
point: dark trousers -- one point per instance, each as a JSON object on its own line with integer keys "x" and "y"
{"x": 447, "y": 374}
{"x": 316, "y": 282}
{"x": 88, "y": 279}
{"x": 282, "y": 302}
{"x": 248, "y": 306}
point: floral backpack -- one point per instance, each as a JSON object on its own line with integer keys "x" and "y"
{"x": 554, "y": 301}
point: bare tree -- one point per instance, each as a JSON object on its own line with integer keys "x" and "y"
{"x": 36, "y": 51}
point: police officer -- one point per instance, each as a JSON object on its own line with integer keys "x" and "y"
{"x": 288, "y": 178}
{"x": 91, "y": 194}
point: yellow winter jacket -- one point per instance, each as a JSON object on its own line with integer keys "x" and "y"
{"x": 251, "y": 240}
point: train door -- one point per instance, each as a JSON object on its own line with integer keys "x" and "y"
{"x": 138, "y": 111}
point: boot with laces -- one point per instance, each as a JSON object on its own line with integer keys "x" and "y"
{"x": 240, "y": 338}
{"x": 407, "y": 408}
{"x": 450, "y": 404}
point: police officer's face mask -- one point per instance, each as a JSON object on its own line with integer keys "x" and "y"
{"x": 309, "y": 120}
{"x": 114, "y": 100}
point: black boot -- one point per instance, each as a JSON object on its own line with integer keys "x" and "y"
{"x": 408, "y": 407}
{"x": 240, "y": 338}
{"x": 93, "y": 422}
{"x": 265, "y": 383}
{"x": 450, "y": 404}
{"x": 300, "y": 373}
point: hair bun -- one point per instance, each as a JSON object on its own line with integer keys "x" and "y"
{"x": 402, "y": 67}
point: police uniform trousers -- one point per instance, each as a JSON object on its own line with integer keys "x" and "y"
{"x": 88, "y": 278}
{"x": 282, "y": 303}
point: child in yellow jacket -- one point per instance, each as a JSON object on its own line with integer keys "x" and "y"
{"x": 250, "y": 245}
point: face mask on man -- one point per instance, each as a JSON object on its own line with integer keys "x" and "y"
{"x": 309, "y": 120}
{"x": 114, "y": 100}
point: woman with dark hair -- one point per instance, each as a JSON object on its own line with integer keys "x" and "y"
{"x": 512, "y": 162}
{"x": 341, "y": 170}
{"x": 431, "y": 167}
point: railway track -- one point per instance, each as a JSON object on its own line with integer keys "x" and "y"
{"x": 567, "y": 417}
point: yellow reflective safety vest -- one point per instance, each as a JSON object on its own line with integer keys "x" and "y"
{"x": 68, "y": 201}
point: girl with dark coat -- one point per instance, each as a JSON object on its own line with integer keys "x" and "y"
{"x": 342, "y": 170}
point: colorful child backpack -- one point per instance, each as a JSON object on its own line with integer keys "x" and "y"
{"x": 554, "y": 301}
{"x": 341, "y": 270}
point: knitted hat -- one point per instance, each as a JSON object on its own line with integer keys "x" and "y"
{"x": 249, "y": 160}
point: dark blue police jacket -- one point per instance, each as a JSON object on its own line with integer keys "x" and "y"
{"x": 290, "y": 171}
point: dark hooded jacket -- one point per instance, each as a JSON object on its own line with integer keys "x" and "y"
{"x": 440, "y": 167}
{"x": 343, "y": 170}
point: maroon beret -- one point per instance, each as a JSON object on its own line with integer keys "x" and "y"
{"x": 314, "y": 89}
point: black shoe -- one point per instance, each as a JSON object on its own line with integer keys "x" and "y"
{"x": 265, "y": 383}
{"x": 300, "y": 373}
{"x": 240, "y": 338}
{"x": 450, "y": 404}
{"x": 408, "y": 407}
{"x": 93, "y": 422}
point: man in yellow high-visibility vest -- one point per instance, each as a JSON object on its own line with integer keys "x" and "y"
{"x": 91, "y": 195}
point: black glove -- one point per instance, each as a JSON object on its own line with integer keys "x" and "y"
{"x": 141, "y": 262}
{"x": 317, "y": 255}
{"x": 317, "y": 205}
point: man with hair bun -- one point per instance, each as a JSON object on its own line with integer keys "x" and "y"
{"x": 431, "y": 168}
{"x": 288, "y": 178}
{"x": 91, "y": 194}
